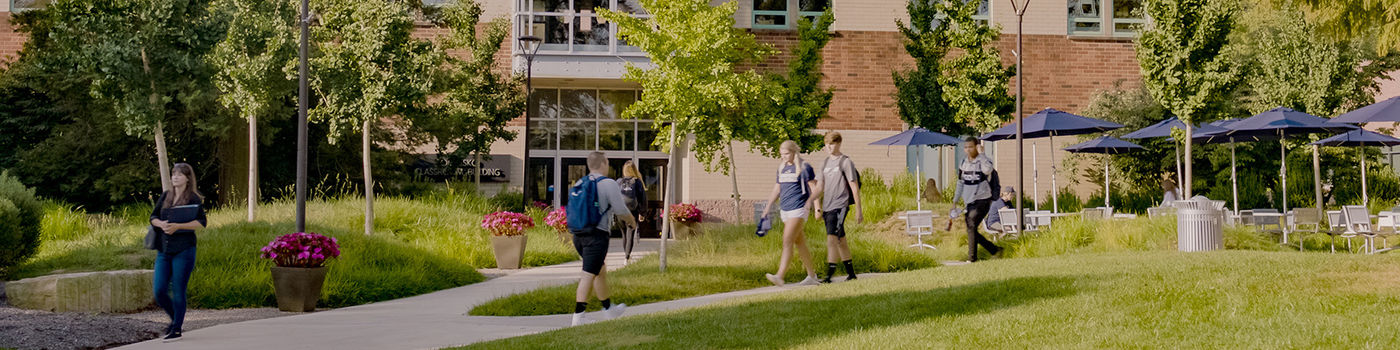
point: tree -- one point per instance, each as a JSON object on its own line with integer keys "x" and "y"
{"x": 800, "y": 102}
{"x": 368, "y": 67}
{"x": 138, "y": 57}
{"x": 251, "y": 60}
{"x": 475, "y": 103}
{"x": 961, "y": 94}
{"x": 1293, "y": 66}
{"x": 1183, "y": 53}
{"x": 694, "y": 87}
{"x": 1343, "y": 19}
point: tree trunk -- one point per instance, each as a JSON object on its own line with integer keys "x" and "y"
{"x": 252, "y": 167}
{"x": 1186, "y": 181}
{"x": 734, "y": 180}
{"x": 369, "y": 180}
{"x": 162, "y": 157}
{"x": 670, "y": 195}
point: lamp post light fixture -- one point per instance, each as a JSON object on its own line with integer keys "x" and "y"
{"x": 529, "y": 45}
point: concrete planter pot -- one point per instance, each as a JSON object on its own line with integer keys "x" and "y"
{"x": 510, "y": 251}
{"x": 298, "y": 288}
{"x": 686, "y": 230}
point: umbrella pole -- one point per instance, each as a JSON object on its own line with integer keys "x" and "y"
{"x": 1035, "y": 174}
{"x": 1105, "y": 181}
{"x": 918, "y": 180}
{"x": 1317, "y": 179}
{"x": 1234, "y": 181}
{"x": 1283, "y": 173}
{"x": 1365, "y": 200}
{"x": 1054, "y": 189}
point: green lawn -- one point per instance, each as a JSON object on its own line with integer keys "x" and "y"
{"x": 728, "y": 258}
{"x": 1146, "y": 300}
{"x": 419, "y": 246}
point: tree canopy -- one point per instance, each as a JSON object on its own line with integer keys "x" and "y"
{"x": 958, "y": 84}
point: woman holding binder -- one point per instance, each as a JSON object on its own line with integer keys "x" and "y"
{"x": 176, "y": 216}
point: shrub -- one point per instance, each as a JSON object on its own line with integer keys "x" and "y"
{"x": 20, "y": 216}
{"x": 509, "y": 201}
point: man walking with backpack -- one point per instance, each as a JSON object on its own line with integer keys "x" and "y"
{"x": 594, "y": 201}
{"x": 978, "y": 184}
{"x": 839, "y": 183}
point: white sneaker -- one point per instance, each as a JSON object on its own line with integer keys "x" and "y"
{"x": 777, "y": 281}
{"x": 579, "y": 319}
{"x": 809, "y": 281}
{"x": 615, "y": 311}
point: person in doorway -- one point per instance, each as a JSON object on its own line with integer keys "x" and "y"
{"x": 796, "y": 182}
{"x": 1169, "y": 190}
{"x": 839, "y": 186}
{"x": 993, "y": 221}
{"x": 975, "y": 190}
{"x": 175, "y": 252}
{"x": 591, "y": 241}
{"x": 634, "y": 193}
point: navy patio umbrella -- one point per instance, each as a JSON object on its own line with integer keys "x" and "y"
{"x": 1360, "y": 138}
{"x": 1104, "y": 145}
{"x": 1049, "y": 123}
{"x": 918, "y": 137}
{"x": 1164, "y": 129}
{"x": 1280, "y": 123}
{"x": 1384, "y": 111}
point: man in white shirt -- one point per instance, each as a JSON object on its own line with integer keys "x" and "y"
{"x": 592, "y": 245}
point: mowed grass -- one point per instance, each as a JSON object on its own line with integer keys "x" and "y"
{"x": 728, "y": 258}
{"x": 1138, "y": 300}
{"x": 418, "y": 246}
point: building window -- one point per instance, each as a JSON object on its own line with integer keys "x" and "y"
{"x": 587, "y": 120}
{"x": 777, "y": 14}
{"x": 573, "y": 26}
{"x": 1104, "y": 17}
{"x": 770, "y": 14}
{"x": 17, "y": 6}
{"x": 983, "y": 15}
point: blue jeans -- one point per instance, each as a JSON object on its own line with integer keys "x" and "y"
{"x": 172, "y": 280}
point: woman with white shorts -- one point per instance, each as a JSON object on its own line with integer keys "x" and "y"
{"x": 796, "y": 182}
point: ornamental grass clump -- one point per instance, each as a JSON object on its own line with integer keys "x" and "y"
{"x": 505, "y": 223}
{"x": 558, "y": 219}
{"x": 301, "y": 249}
{"x": 686, "y": 213}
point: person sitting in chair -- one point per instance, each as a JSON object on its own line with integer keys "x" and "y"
{"x": 993, "y": 221}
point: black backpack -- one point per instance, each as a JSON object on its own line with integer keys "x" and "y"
{"x": 629, "y": 193}
{"x": 994, "y": 182}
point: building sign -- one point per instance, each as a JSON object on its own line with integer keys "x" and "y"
{"x": 493, "y": 169}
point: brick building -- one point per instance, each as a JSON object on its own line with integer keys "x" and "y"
{"x": 1074, "y": 48}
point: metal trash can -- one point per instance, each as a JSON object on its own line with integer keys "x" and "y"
{"x": 1199, "y": 225}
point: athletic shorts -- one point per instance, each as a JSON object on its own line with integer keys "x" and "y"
{"x": 836, "y": 222}
{"x": 794, "y": 214}
{"x": 592, "y": 247}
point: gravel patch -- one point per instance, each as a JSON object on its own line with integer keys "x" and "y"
{"x": 30, "y": 329}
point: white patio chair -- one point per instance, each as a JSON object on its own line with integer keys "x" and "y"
{"x": 1310, "y": 217}
{"x": 1036, "y": 222}
{"x": 1271, "y": 224}
{"x": 1092, "y": 213}
{"x": 919, "y": 223}
{"x": 1009, "y": 222}
{"x": 1358, "y": 224}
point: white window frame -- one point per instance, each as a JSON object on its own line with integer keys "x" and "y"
{"x": 524, "y": 20}
{"x": 17, "y": 9}
{"x": 790, "y": 15}
{"x": 1108, "y": 23}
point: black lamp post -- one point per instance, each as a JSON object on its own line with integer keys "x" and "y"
{"x": 302, "y": 102}
{"x": 529, "y": 45}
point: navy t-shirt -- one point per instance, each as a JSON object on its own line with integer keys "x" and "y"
{"x": 794, "y": 191}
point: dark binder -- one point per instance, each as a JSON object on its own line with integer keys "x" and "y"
{"x": 181, "y": 214}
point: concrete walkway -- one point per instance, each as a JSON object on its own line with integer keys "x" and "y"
{"x": 428, "y": 321}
